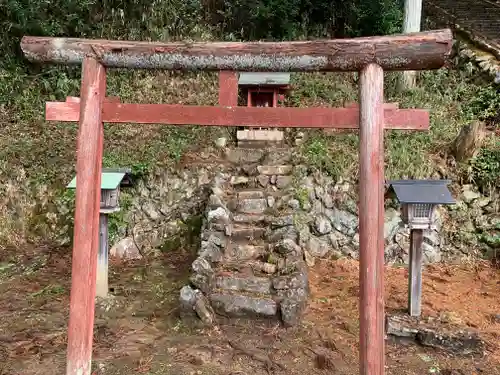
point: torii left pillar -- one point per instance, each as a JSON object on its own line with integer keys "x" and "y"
{"x": 86, "y": 237}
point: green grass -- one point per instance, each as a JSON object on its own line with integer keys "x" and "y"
{"x": 446, "y": 94}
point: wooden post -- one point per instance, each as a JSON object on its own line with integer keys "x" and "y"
{"x": 371, "y": 115}
{"x": 411, "y": 24}
{"x": 102, "y": 258}
{"x": 415, "y": 277}
{"x": 83, "y": 274}
{"x": 228, "y": 88}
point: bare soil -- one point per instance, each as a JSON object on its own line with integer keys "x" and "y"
{"x": 138, "y": 330}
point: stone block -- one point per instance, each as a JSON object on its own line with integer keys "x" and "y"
{"x": 278, "y": 170}
{"x": 435, "y": 334}
{"x": 243, "y": 306}
{"x": 252, "y": 206}
{"x": 245, "y": 284}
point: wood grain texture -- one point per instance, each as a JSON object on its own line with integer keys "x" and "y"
{"x": 371, "y": 183}
{"x": 83, "y": 274}
{"x": 347, "y": 118}
{"x": 228, "y": 88}
{"x": 416, "y": 51}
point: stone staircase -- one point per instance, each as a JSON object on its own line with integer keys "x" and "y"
{"x": 250, "y": 264}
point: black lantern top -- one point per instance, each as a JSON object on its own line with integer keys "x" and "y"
{"x": 421, "y": 191}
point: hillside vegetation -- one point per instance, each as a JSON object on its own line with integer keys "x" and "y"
{"x": 37, "y": 158}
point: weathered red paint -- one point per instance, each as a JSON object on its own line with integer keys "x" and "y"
{"x": 371, "y": 341}
{"x": 83, "y": 276}
{"x": 107, "y": 99}
{"x": 228, "y": 88}
{"x": 347, "y": 118}
{"x": 387, "y": 106}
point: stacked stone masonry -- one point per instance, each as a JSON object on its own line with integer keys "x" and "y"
{"x": 250, "y": 264}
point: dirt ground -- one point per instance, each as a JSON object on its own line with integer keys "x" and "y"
{"x": 138, "y": 331}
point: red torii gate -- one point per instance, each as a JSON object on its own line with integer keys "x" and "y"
{"x": 370, "y": 56}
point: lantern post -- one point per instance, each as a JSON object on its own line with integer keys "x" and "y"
{"x": 419, "y": 201}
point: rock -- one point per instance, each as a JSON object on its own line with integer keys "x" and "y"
{"x": 221, "y": 142}
{"x": 187, "y": 299}
{"x": 287, "y": 246}
{"x": 294, "y": 204}
{"x": 431, "y": 254}
{"x": 469, "y": 194}
{"x": 125, "y": 249}
{"x": 270, "y": 170}
{"x": 317, "y": 247}
{"x": 252, "y": 206}
{"x": 203, "y": 177}
{"x": 239, "y": 180}
{"x": 283, "y": 233}
{"x": 456, "y": 341}
{"x": 327, "y": 200}
{"x": 344, "y": 222}
{"x": 151, "y": 211}
{"x": 392, "y": 223}
{"x": 202, "y": 281}
{"x": 310, "y": 260}
{"x": 322, "y": 225}
{"x": 273, "y": 179}
{"x": 243, "y": 306}
{"x": 432, "y": 238}
{"x": 263, "y": 180}
{"x": 201, "y": 265}
{"x": 215, "y": 202}
{"x": 482, "y": 202}
{"x": 292, "y": 281}
{"x": 271, "y": 201}
{"x": 244, "y": 155}
{"x": 281, "y": 221}
{"x": 293, "y": 305}
{"x": 218, "y": 215}
{"x": 203, "y": 309}
{"x": 210, "y": 251}
{"x": 283, "y": 181}
{"x": 244, "y": 252}
{"x": 246, "y": 284}
{"x": 463, "y": 343}
{"x": 265, "y": 267}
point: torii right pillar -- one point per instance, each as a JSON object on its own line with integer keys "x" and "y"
{"x": 371, "y": 220}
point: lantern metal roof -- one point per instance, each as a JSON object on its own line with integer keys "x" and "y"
{"x": 421, "y": 191}
{"x": 111, "y": 178}
{"x": 263, "y": 78}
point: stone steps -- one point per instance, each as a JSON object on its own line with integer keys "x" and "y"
{"x": 261, "y": 181}
{"x": 284, "y": 219}
{"x": 274, "y": 155}
{"x": 257, "y": 270}
{"x": 241, "y": 232}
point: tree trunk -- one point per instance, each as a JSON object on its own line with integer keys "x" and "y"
{"x": 469, "y": 141}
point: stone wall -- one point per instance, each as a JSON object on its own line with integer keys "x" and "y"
{"x": 325, "y": 216}
{"x": 161, "y": 207}
{"x": 327, "y": 221}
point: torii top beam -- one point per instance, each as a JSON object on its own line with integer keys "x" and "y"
{"x": 415, "y": 51}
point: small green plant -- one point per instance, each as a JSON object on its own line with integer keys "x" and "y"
{"x": 485, "y": 168}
